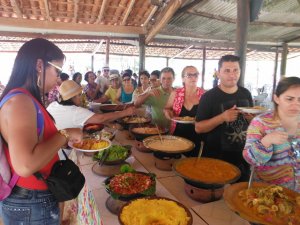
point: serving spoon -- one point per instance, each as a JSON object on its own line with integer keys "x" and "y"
{"x": 160, "y": 137}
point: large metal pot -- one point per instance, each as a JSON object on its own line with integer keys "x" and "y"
{"x": 202, "y": 183}
{"x": 134, "y": 129}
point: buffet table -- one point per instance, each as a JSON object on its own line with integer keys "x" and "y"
{"x": 168, "y": 185}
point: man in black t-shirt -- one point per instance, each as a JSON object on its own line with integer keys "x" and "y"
{"x": 223, "y": 126}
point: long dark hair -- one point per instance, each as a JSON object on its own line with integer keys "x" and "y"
{"x": 24, "y": 72}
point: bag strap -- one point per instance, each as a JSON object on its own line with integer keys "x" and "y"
{"x": 40, "y": 125}
{"x": 39, "y": 176}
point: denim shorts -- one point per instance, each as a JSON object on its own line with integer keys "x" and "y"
{"x": 30, "y": 207}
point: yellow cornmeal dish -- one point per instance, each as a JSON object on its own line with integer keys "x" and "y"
{"x": 154, "y": 212}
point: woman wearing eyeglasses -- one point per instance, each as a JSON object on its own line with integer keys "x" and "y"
{"x": 184, "y": 102}
{"x": 32, "y": 145}
{"x": 125, "y": 92}
{"x": 273, "y": 138}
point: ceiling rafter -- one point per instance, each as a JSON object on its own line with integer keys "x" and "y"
{"x": 16, "y": 8}
{"x": 181, "y": 52}
{"x": 150, "y": 16}
{"x": 75, "y": 18}
{"x": 98, "y": 47}
{"x": 128, "y": 11}
{"x": 165, "y": 15}
{"x": 39, "y": 25}
{"x": 47, "y": 11}
{"x": 101, "y": 12}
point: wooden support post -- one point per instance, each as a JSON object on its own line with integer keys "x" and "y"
{"x": 275, "y": 71}
{"x": 283, "y": 59}
{"x": 107, "y": 52}
{"x": 142, "y": 52}
{"x": 203, "y": 66}
{"x": 92, "y": 63}
{"x": 243, "y": 17}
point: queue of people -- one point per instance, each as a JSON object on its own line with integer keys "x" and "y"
{"x": 268, "y": 142}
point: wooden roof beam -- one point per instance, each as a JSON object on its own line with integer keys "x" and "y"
{"x": 98, "y": 47}
{"x": 129, "y": 9}
{"x": 101, "y": 12}
{"x": 47, "y": 11}
{"x": 163, "y": 19}
{"x": 65, "y": 28}
{"x": 16, "y": 8}
{"x": 150, "y": 15}
{"x": 75, "y": 18}
{"x": 184, "y": 50}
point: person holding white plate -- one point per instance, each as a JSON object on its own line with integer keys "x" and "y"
{"x": 273, "y": 138}
{"x": 183, "y": 103}
{"x": 224, "y": 126}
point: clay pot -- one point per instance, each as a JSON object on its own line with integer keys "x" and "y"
{"x": 165, "y": 161}
{"x": 203, "y": 194}
{"x": 140, "y": 147}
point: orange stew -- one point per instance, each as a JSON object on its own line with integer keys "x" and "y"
{"x": 207, "y": 170}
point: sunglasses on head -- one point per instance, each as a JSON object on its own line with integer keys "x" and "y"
{"x": 57, "y": 68}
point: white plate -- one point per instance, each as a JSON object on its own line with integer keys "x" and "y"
{"x": 183, "y": 121}
{"x": 251, "y": 110}
{"x": 89, "y": 150}
{"x": 95, "y": 103}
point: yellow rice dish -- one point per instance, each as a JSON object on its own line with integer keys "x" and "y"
{"x": 91, "y": 144}
{"x": 154, "y": 212}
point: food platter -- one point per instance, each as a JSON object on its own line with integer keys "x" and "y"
{"x": 168, "y": 144}
{"x": 141, "y": 132}
{"x": 113, "y": 107}
{"x": 155, "y": 210}
{"x": 234, "y": 202}
{"x": 117, "y": 154}
{"x": 184, "y": 120}
{"x": 206, "y": 172}
{"x": 92, "y": 127}
{"x": 138, "y": 184}
{"x": 91, "y": 145}
{"x": 136, "y": 120}
{"x": 252, "y": 110}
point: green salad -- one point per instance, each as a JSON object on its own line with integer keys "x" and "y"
{"x": 116, "y": 152}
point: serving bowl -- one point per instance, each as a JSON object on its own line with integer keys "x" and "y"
{"x": 105, "y": 108}
{"x": 117, "y": 154}
{"x": 131, "y": 120}
{"x": 92, "y": 128}
{"x": 154, "y": 210}
{"x": 130, "y": 185}
{"x": 205, "y": 178}
{"x": 140, "y": 132}
{"x": 168, "y": 144}
{"x": 239, "y": 198}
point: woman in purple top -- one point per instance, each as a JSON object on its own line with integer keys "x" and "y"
{"x": 273, "y": 138}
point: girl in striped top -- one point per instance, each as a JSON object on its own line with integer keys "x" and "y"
{"x": 273, "y": 138}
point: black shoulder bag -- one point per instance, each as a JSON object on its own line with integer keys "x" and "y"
{"x": 65, "y": 180}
